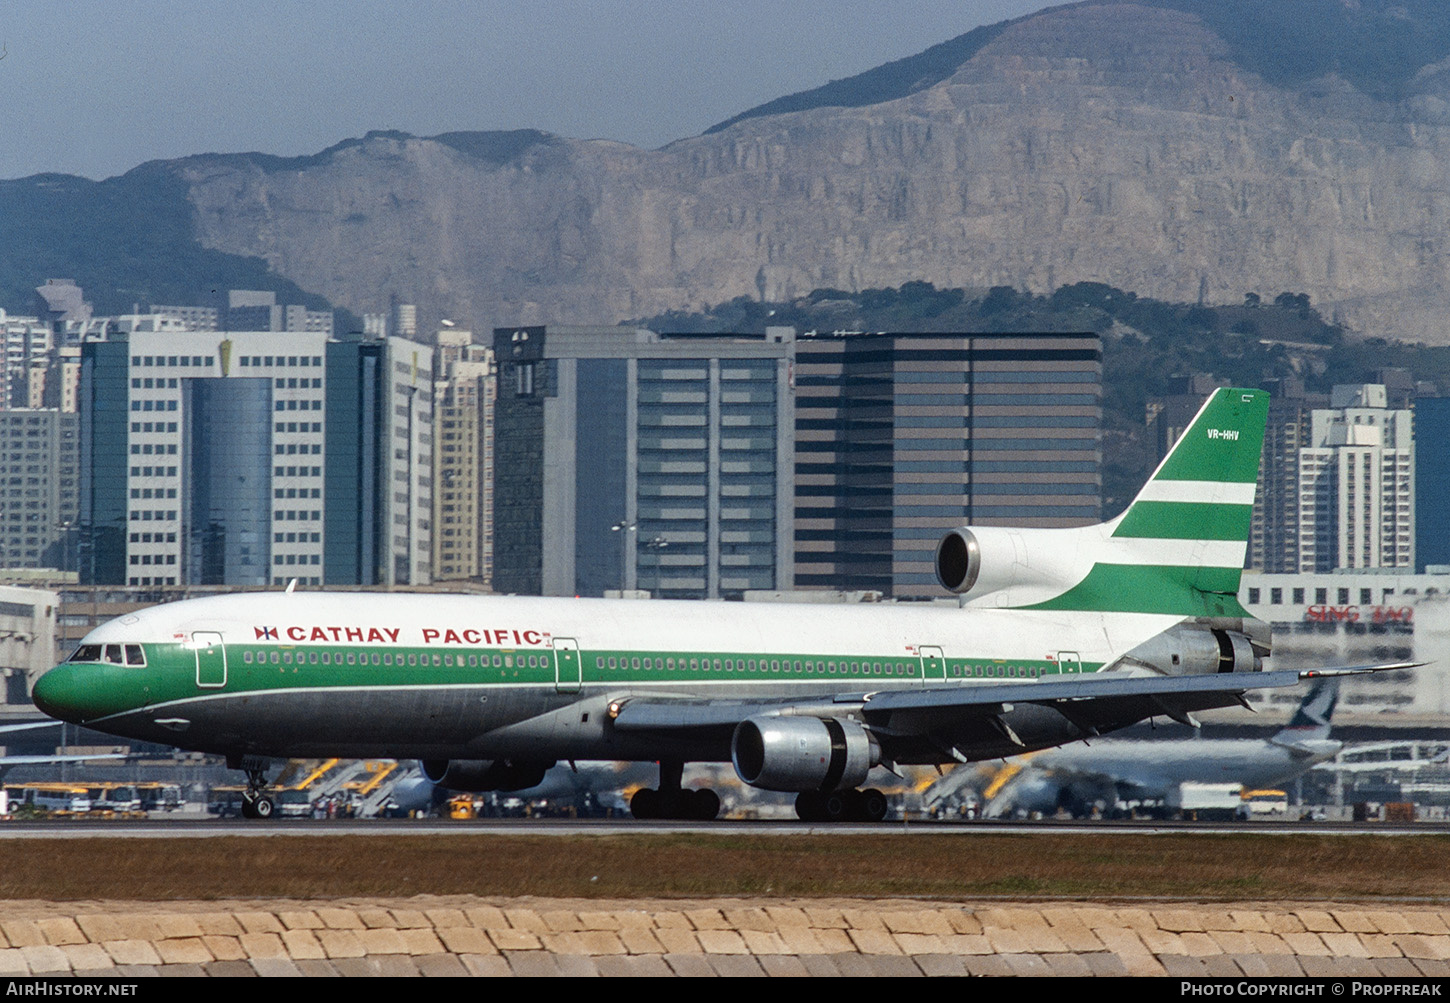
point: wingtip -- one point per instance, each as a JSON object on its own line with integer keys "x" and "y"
{"x": 1357, "y": 670}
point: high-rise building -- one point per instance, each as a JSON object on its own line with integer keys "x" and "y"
{"x": 627, "y": 459}
{"x": 1275, "y": 536}
{"x": 61, "y": 301}
{"x": 404, "y": 318}
{"x": 1432, "y": 481}
{"x": 254, "y": 458}
{"x": 463, "y": 405}
{"x": 903, "y": 437}
{"x": 708, "y": 465}
{"x": 38, "y": 457}
{"x": 1357, "y": 484}
{"x": 28, "y": 344}
{"x": 194, "y": 318}
{"x": 258, "y": 310}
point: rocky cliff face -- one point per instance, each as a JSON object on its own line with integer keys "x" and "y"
{"x": 1110, "y": 143}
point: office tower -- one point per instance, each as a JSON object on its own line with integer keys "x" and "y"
{"x": 254, "y": 458}
{"x": 1432, "y": 481}
{"x": 635, "y": 460}
{"x": 903, "y": 437}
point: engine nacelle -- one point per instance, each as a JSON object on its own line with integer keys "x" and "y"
{"x": 984, "y": 559}
{"x": 803, "y": 753}
{"x": 475, "y": 775}
{"x": 1190, "y": 649}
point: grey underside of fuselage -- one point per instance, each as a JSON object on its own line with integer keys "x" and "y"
{"x": 532, "y": 723}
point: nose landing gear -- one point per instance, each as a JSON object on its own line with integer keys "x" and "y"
{"x": 256, "y": 802}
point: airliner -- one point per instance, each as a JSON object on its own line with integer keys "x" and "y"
{"x": 1076, "y": 778}
{"x": 1056, "y": 635}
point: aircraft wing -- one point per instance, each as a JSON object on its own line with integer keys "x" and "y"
{"x": 1174, "y": 693}
{"x": 659, "y": 713}
{"x": 1100, "y": 685}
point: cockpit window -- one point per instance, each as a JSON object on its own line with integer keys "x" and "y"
{"x": 116, "y": 654}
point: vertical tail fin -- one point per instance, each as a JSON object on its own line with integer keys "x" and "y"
{"x": 1179, "y": 548}
{"x": 1197, "y": 508}
{"x": 1312, "y": 719}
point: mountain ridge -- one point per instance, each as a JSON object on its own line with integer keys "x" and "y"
{"x": 1111, "y": 142}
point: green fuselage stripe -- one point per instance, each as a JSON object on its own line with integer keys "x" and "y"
{"x": 1165, "y": 520}
{"x": 171, "y": 673}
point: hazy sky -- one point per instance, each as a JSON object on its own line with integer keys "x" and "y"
{"x": 95, "y": 88}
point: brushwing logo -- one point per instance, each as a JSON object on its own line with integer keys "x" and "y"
{"x": 266, "y": 633}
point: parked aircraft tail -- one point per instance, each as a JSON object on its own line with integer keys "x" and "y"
{"x": 1311, "y": 721}
{"x": 1177, "y": 549}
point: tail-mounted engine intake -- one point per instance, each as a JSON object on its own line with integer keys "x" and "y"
{"x": 803, "y": 753}
{"x": 958, "y": 561}
{"x": 983, "y": 559}
{"x": 474, "y": 775}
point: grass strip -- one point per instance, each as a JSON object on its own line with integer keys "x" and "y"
{"x": 1191, "y": 866}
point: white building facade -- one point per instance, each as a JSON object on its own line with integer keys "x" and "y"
{"x": 1357, "y": 485}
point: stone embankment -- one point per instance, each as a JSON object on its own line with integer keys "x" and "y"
{"x": 505, "y": 937}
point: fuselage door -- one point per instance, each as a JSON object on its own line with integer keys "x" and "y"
{"x": 568, "y": 667}
{"x": 211, "y": 659}
{"x": 1069, "y": 662}
{"x": 933, "y": 664}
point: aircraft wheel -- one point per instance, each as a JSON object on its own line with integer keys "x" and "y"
{"x": 838, "y": 806}
{"x": 258, "y": 806}
{"x": 645, "y": 804}
{"x": 810, "y": 807}
{"x": 704, "y": 805}
{"x": 872, "y": 805}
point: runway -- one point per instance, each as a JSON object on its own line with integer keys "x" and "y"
{"x": 163, "y": 828}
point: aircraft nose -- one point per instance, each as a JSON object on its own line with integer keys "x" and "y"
{"x": 66, "y": 692}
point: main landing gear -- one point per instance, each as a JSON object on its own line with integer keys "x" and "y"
{"x": 841, "y": 806}
{"x": 671, "y": 801}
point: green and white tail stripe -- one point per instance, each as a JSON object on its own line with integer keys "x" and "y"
{"x": 1179, "y": 548}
